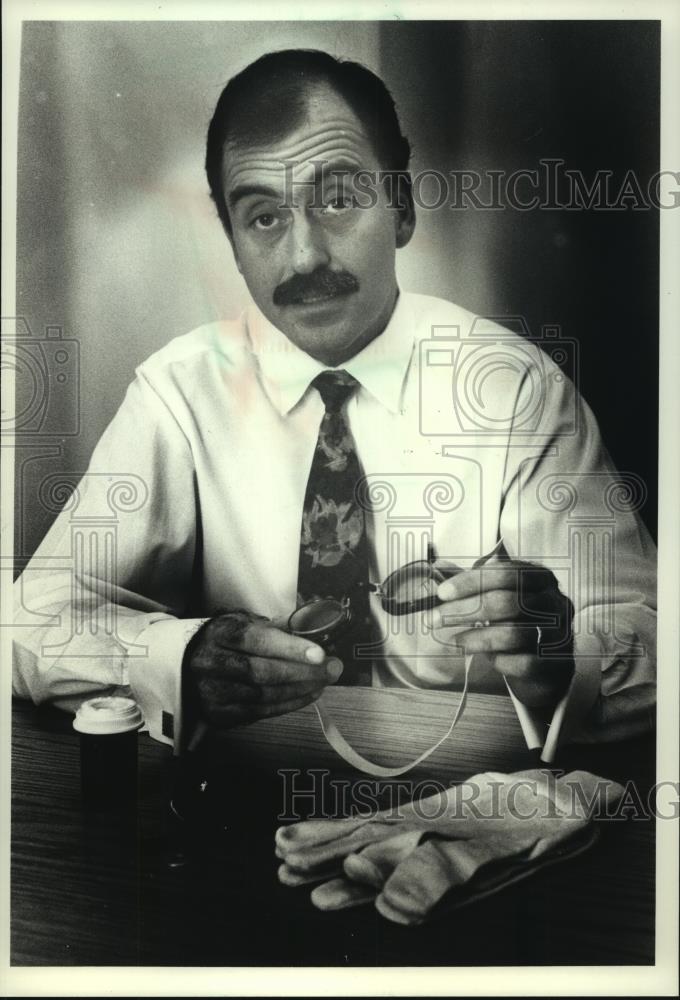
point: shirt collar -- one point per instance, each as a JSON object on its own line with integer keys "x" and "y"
{"x": 380, "y": 368}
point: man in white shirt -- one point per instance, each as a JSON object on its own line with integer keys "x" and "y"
{"x": 174, "y": 567}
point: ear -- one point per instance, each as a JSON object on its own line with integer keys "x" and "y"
{"x": 406, "y": 212}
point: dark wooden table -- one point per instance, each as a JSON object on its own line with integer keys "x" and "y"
{"x": 108, "y": 889}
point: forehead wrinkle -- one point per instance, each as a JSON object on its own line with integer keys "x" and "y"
{"x": 345, "y": 128}
{"x": 351, "y": 143}
{"x": 352, "y": 136}
{"x": 336, "y": 157}
{"x": 339, "y": 151}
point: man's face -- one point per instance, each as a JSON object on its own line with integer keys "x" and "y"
{"x": 319, "y": 268}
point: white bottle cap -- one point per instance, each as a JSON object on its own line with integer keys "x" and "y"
{"x": 108, "y": 715}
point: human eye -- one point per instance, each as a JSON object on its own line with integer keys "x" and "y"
{"x": 265, "y": 221}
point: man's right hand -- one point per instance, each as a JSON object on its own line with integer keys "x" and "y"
{"x": 239, "y": 668}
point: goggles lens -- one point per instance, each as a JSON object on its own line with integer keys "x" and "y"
{"x": 410, "y": 589}
{"x": 319, "y": 619}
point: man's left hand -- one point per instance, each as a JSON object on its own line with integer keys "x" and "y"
{"x": 511, "y": 611}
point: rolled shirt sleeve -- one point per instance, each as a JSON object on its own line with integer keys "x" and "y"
{"x": 566, "y": 507}
{"x": 102, "y": 606}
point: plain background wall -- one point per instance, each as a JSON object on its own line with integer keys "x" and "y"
{"x": 503, "y": 96}
{"x": 119, "y": 245}
{"x": 118, "y": 241}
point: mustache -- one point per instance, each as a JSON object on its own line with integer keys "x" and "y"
{"x": 322, "y": 283}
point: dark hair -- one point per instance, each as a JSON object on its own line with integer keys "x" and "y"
{"x": 267, "y": 100}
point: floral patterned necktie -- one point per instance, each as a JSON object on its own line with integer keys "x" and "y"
{"x": 333, "y": 546}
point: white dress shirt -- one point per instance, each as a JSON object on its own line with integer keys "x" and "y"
{"x": 467, "y": 433}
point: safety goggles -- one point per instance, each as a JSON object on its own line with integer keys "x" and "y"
{"x": 408, "y": 590}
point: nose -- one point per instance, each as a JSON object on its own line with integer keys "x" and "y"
{"x": 308, "y": 244}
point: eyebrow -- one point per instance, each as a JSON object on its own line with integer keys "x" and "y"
{"x": 246, "y": 190}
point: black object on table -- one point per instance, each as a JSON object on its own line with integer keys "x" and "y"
{"x": 148, "y": 889}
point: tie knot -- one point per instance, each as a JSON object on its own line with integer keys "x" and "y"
{"x": 334, "y": 388}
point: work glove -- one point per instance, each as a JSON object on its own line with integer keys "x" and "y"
{"x": 464, "y": 843}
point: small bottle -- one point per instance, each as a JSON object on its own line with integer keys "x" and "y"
{"x": 108, "y": 752}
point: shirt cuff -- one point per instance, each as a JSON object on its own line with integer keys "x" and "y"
{"x": 573, "y": 706}
{"x": 580, "y": 696}
{"x": 530, "y": 719}
{"x": 156, "y": 679}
